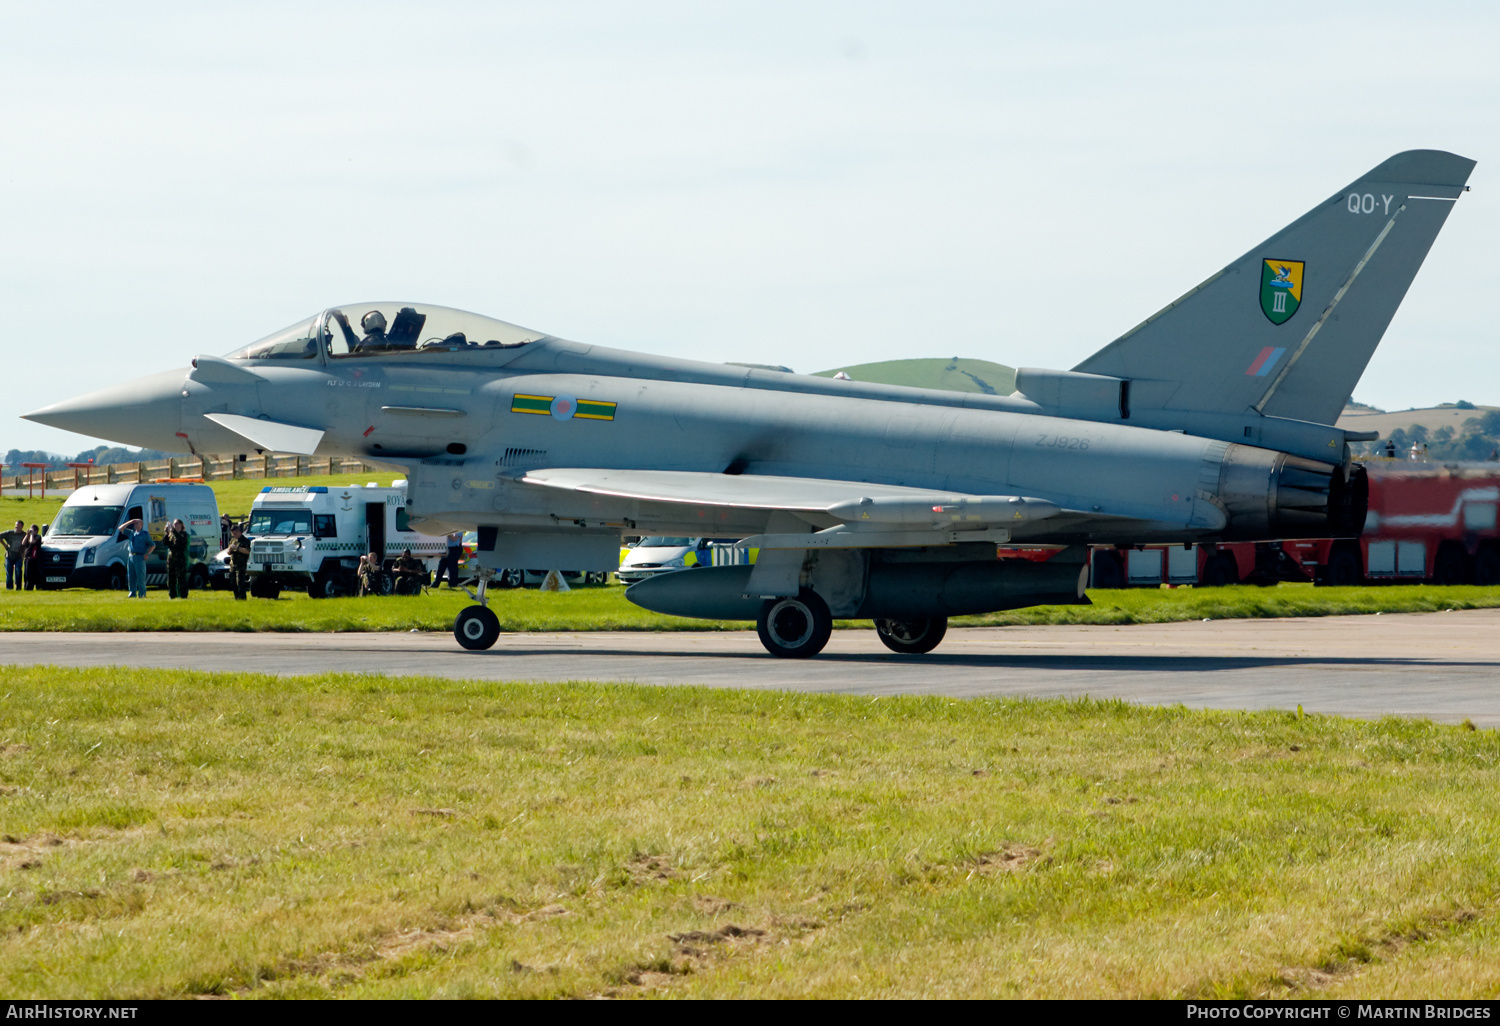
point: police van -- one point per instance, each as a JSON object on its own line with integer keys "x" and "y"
{"x": 82, "y": 548}
{"x": 312, "y": 538}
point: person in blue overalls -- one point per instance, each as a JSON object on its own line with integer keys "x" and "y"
{"x": 141, "y": 546}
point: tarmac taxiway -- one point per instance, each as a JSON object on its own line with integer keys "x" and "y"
{"x": 1444, "y": 666}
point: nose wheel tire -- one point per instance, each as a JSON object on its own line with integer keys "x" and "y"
{"x": 912, "y": 637}
{"x": 795, "y": 628}
{"x": 476, "y": 628}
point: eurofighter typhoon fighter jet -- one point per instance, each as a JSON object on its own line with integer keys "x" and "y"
{"x": 1210, "y": 421}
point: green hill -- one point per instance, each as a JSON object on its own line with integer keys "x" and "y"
{"x": 955, "y": 375}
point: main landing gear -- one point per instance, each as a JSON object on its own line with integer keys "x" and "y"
{"x": 912, "y": 637}
{"x": 798, "y": 628}
{"x": 476, "y": 628}
{"x": 795, "y": 628}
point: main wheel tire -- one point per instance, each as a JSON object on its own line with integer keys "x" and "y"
{"x": 795, "y": 628}
{"x": 1219, "y": 570}
{"x": 1344, "y": 569}
{"x": 476, "y": 628}
{"x": 912, "y": 637}
{"x": 116, "y": 580}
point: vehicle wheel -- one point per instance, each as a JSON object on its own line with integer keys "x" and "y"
{"x": 1487, "y": 567}
{"x": 1219, "y": 570}
{"x": 325, "y": 586}
{"x": 476, "y": 628}
{"x": 384, "y": 585}
{"x": 511, "y": 578}
{"x": 116, "y": 581}
{"x": 1344, "y": 569}
{"x": 912, "y": 637}
{"x": 795, "y": 628}
{"x": 1451, "y": 566}
{"x": 264, "y": 589}
{"x": 596, "y": 577}
{"x": 198, "y": 578}
{"x": 1108, "y": 571}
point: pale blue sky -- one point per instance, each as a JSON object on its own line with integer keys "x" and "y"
{"x": 813, "y": 184}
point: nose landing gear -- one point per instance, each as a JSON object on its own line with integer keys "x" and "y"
{"x": 476, "y": 628}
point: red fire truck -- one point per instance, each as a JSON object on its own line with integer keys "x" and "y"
{"x": 1427, "y": 522}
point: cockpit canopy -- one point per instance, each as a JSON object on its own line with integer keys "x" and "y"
{"x": 382, "y": 329}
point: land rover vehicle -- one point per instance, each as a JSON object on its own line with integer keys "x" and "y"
{"x": 312, "y": 537}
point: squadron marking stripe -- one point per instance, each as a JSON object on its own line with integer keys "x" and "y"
{"x": 590, "y": 409}
{"x": 542, "y": 405}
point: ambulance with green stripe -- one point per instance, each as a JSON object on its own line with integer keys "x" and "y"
{"x": 312, "y": 537}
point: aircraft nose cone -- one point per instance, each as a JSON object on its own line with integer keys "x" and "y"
{"x": 145, "y": 412}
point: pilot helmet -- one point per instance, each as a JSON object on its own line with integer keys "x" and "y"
{"x": 374, "y": 321}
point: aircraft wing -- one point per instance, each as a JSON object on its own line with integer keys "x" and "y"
{"x": 743, "y": 491}
{"x": 856, "y": 503}
{"x": 864, "y": 507}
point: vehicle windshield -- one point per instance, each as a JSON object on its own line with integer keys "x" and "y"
{"x": 85, "y": 521}
{"x": 370, "y": 329}
{"x": 280, "y": 521}
{"x": 664, "y": 543}
{"x": 294, "y": 343}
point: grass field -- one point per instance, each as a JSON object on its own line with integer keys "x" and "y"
{"x": 605, "y": 608}
{"x": 175, "y": 834}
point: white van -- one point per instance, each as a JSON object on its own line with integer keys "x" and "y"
{"x": 312, "y": 538}
{"x": 82, "y": 550}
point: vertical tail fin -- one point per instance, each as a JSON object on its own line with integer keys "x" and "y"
{"x": 1287, "y": 329}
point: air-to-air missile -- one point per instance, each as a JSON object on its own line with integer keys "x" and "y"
{"x": 1209, "y": 421}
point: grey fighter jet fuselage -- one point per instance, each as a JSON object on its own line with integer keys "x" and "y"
{"x": 1209, "y": 422}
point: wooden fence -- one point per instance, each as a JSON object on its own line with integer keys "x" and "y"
{"x": 208, "y": 468}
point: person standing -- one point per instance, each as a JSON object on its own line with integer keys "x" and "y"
{"x": 139, "y": 545}
{"x": 224, "y": 525}
{"x": 31, "y": 557}
{"x": 176, "y": 541}
{"x": 12, "y": 541}
{"x": 450, "y": 562}
{"x": 239, "y": 560}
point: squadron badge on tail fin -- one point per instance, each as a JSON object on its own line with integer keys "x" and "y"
{"x": 1280, "y": 289}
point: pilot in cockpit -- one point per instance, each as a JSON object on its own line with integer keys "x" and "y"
{"x": 373, "y": 324}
